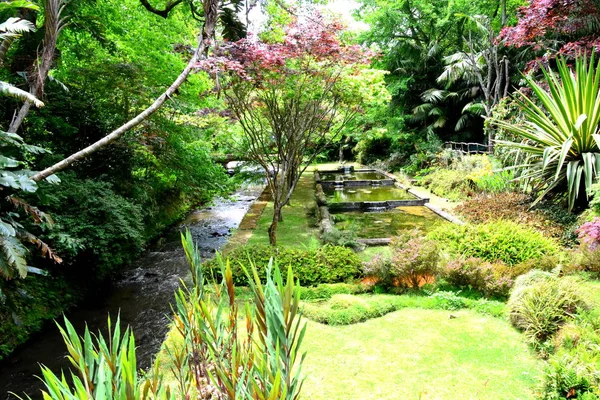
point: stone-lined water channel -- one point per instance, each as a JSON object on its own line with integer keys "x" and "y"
{"x": 142, "y": 295}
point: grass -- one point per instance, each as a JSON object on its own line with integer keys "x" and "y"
{"x": 298, "y": 227}
{"x": 419, "y": 354}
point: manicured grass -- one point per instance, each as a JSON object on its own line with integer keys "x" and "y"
{"x": 419, "y": 354}
{"x": 298, "y": 227}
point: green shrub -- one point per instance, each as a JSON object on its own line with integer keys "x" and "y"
{"x": 540, "y": 308}
{"x": 449, "y": 300}
{"x": 327, "y": 264}
{"x": 343, "y": 309}
{"x": 568, "y": 377}
{"x": 447, "y": 183}
{"x": 504, "y": 241}
{"x": 479, "y": 275}
{"x": 95, "y": 226}
{"x": 325, "y": 291}
{"x": 346, "y": 238}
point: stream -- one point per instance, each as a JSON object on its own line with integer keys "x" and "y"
{"x": 142, "y": 294}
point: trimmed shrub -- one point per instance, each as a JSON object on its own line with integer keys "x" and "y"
{"x": 476, "y": 274}
{"x": 541, "y": 303}
{"x": 327, "y": 264}
{"x": 504, "y": 241}
{"x": 325, "y": 291}
{"x": 344, "y": 309}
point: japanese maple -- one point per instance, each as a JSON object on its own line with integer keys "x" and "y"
{"x": 566, "y": 27}
{"x": 294, "y": 96}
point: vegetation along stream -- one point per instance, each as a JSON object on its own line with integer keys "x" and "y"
{"x": 142, "y": 295}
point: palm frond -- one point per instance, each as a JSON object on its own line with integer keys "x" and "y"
{"x": 15, "y": 27}
{"x": 9, "y": 90}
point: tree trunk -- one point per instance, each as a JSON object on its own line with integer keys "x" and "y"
{"x": 274, "y": 223}
{"x": 207, "y": 33}
{"x": 53, "y": 25}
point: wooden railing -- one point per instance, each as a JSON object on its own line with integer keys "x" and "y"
{"x": 469, "y": 148}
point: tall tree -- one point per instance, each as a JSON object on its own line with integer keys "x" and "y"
{"x": 205, "y": 39}
{"x": 53, "y": 24}
{"x": 292, "y": 98}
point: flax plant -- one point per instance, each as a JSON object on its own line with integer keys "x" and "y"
{"x": 560, "y": 135}
{"x": 224, "y": 355}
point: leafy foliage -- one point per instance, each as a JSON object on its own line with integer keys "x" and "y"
{"x": 475, "y": 274}
{"x": 515, "y": 207}
{"x": 560, "y": 137}
{"x": 94, "y": 224}
{"x": 414, "y": 261}
{"x": 326, "y": 264}
{"x": 504, "y": 241}
{"x": 541, "y": 307}
{"x": 556, "y": 27}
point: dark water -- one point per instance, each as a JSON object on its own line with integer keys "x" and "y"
{"x": 366, "y": 193}
{"x": 142, "y": 295}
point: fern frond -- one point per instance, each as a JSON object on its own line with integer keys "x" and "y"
{"x": 13, "y": 253}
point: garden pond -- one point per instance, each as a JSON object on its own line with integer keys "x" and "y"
{"x": 382, "y": 224}
{"x": 366, "y": 193}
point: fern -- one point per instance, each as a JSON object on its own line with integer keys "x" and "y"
{"x": 14, "y": 257}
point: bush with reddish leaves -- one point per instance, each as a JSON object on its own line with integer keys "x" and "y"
{"x": 510, "y": 206}
{"x": 479, "y": 275}
{"x": 589, "y": 234}
{"x": 414, "y": 262}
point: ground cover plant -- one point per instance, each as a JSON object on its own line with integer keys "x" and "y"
{"x": 514, "y": 206}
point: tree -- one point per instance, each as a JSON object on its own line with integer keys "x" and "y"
{"x": 205, "y": 39}
{"x": 481, "y": 64}
{"x": 53, "y": 24}
{"x": 292, "y": 98}
{"x": 556, "y": 27}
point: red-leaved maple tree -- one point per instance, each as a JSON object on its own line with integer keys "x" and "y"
{"x": 568, "y": 27}
{"x": 291, "y": 97}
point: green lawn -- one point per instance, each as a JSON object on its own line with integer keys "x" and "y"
{"x": 419, "y": 354}
{"x": 298, "y": 227}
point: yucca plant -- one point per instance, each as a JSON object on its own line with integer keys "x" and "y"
{"x": 561, "y": 141}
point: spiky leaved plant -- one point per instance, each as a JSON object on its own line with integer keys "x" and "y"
{"x": 227, "y": 357}
{"x": 102, "y": 368}
{"x": 561, "y": 137}
{"x": 221, "y": 357}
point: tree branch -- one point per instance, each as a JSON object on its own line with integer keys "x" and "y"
{"x": 161, "y": 13}
{"x": 204, "y": 38}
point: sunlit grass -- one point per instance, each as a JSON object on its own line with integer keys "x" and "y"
{"x": 298, "y": 226}
{"x": 419, "y": 354}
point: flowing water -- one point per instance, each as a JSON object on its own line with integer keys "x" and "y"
{"x": 142, "y": 295}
